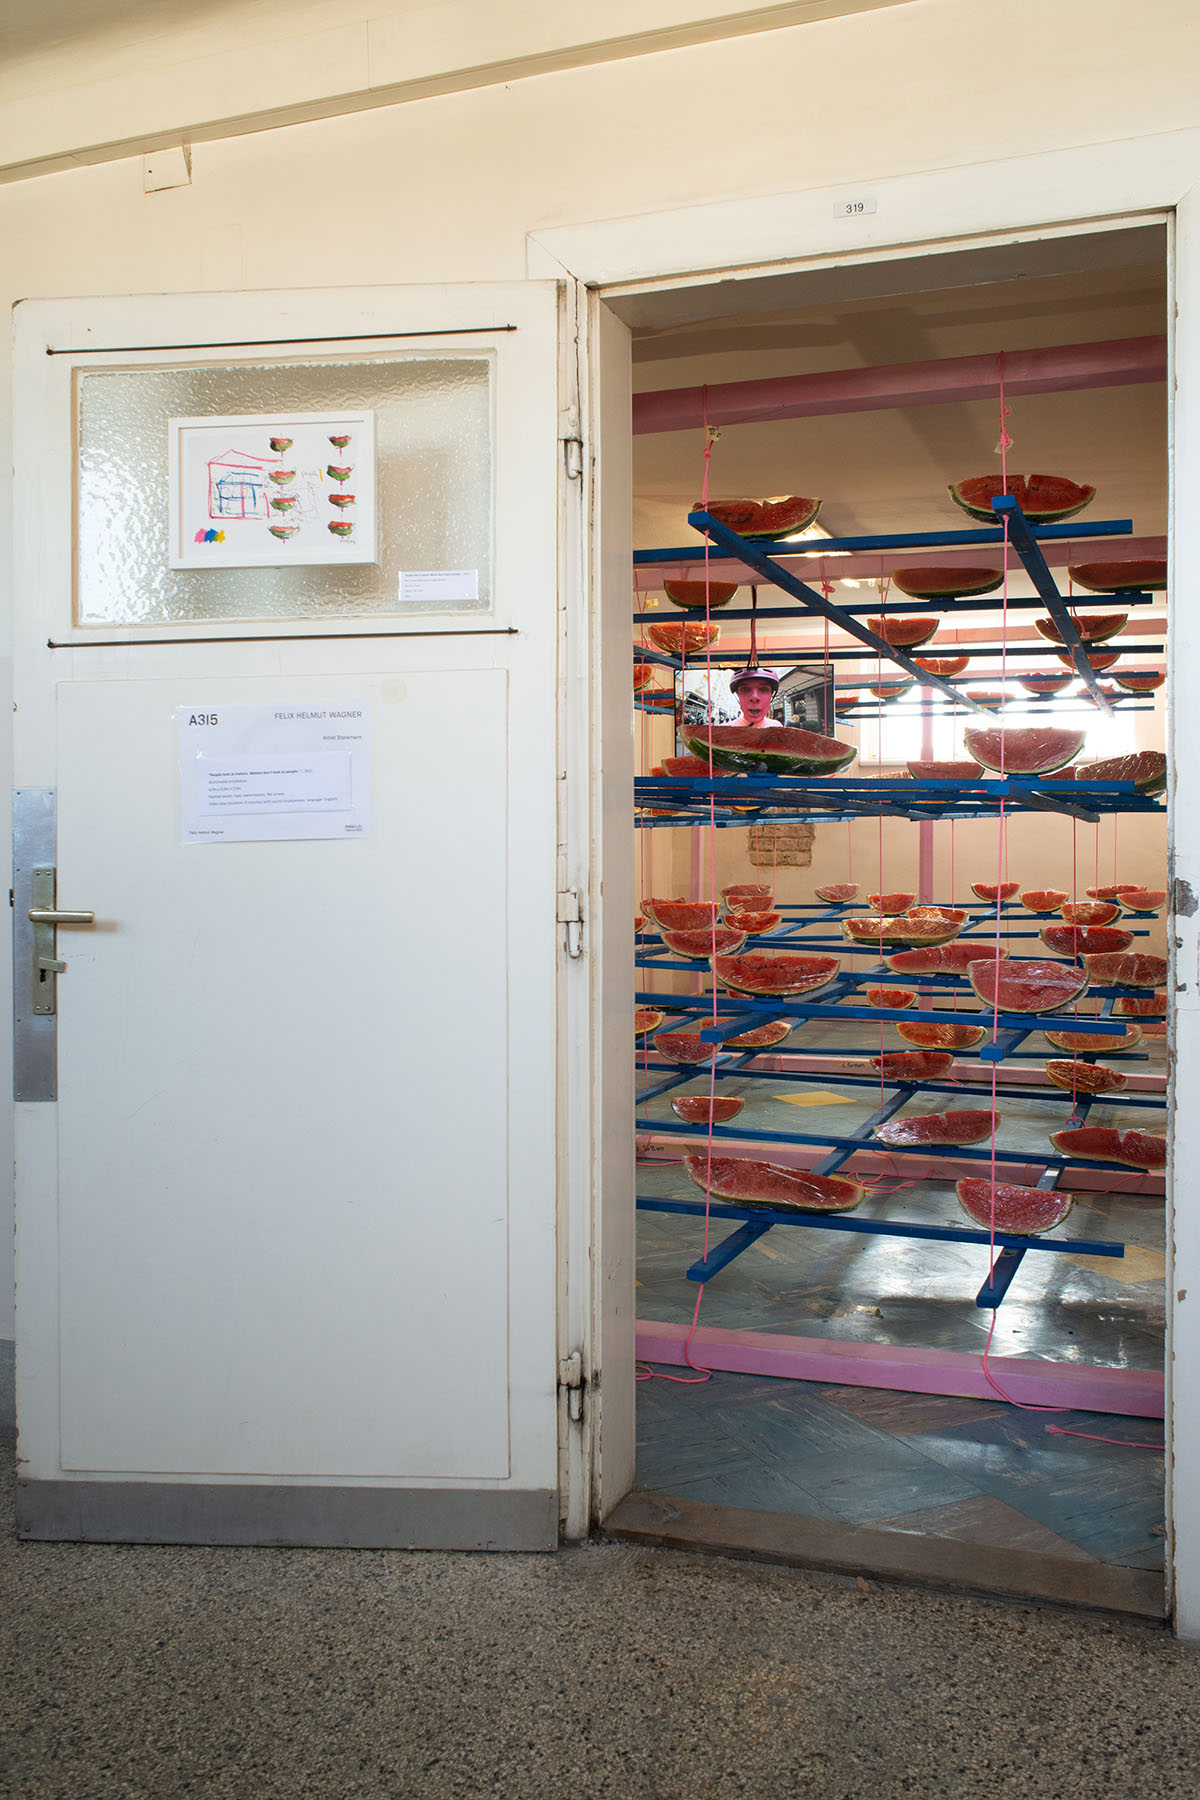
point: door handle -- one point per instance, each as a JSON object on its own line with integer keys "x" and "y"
{"x": 45, "y": 915}
{"x": 45, "y": 918}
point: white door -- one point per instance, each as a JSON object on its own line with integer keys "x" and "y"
{"x": 286, "y": 1143}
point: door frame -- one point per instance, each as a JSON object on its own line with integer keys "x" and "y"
{"x": 1076, "y": 191}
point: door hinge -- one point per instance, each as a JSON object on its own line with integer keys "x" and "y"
{"x": 573, "y": 451}
{"x": 570, "y": 1377}
{"x": 570, "y": 913}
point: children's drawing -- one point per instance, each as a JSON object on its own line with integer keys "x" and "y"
{"x": 260, "y": 490}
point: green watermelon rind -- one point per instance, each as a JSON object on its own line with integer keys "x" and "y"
{"x": 759, "y": 756}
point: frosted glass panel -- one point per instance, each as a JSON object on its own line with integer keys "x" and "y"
{"x": 433, "y": 428}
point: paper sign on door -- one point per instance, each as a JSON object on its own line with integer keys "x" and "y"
{"x": 272, "y": 772}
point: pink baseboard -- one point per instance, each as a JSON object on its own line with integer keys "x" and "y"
{"x": 1136, "y": 1393}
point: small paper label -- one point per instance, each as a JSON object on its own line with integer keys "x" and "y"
{"x": 438, "y": 587}
{"x": 853, "y": 209}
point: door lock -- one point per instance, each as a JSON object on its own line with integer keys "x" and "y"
{"x": 46, "y": 917}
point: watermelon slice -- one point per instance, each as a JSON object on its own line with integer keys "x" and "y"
{"x": 991, "y": 891}
{"x": 942, "y": 959}
{"x": 1153, "y": 1008}
{"x": 890, "y": 690}
{"x": 778, "y": 750}
{"x": 697, "y": 595}
{"x": 1144, "y": 900}
{"x": 843, "y": 702}
{"x": 681, "y": 915}
{"x": 945, "y": 771}
{"x": 1097, "y": 659}
{"x": 638, "y": 922}
{"x": 682, "y": 637}
{"x": 1139, "y": 681}
{"x": 1136, "y": 970}
{"x": 747, "y": 890}
{"x": 725, "y": 940}
{"x": 879, "y": 930}
{"x": 903, "y": 634}
{"x": 1042, "y": 498}
{"x": 762, "y": 1037}
{"x": 1094, "y": 912}
{"x": 1084, "y": 1077}
{"x": 913, "y": 1065}
{"x": 699, "y": 1109}
{"x": 646, "y": 1019}
{"x": 987, "y": 697}
{"x": 890, "y": 903}
{"x": 748, "y": 1183}
{"x": 764, "y": 518}
{"x": 688, "y": 768}
{"x": 1113, "y": 893}
{"x": 683, "y": 1047}
{"x": 1027, "y": 986}
{"x": 776, "y": 975}
{"x": 642, "y": 674}
{"x": 1111, "y": 577}
{"x": 938, "y": 581}
{"x": 1018, "y": 1211}
{"x": 1103, "y": 1143}
{"x": 1044, "y": 685}
{"x": 894, "y": 998}
{"x": 1043, "y": 900}
{"x": 753, "y": 923}
{"x": 953, "y": 915}
{"x": 1147, "y": 769}
{"x": 838, "y": 893}
{"x": 942, "y": 665}
{"x": 1078, "y": 1042}
{"x": 941, "y": 1037}
{"x": 1093, "y": 628}
{"x": 1081, "y": 940}
{"x": 1039, "y": 750}
{"x": 920, "y": 1129}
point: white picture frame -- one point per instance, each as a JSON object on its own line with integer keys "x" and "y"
{"x": 272, "y": 490}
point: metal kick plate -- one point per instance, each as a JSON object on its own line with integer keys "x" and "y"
{"x": 35, "y": 1032}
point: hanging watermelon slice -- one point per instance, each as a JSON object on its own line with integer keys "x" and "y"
{"x": 1079, "y": 940}
{"x": 699, "y": 1109}
{"x": 1027, "y": 986}
{"x": 1097, "y": 659}
{"x": 946, "y": 581}
{"x": 890, "y": 903}
{"x": 942, "y": 959}
{"x": 1042, "y": 498}
{"x": 1126, "y": 970}
{"x": 843, "y": 702}
{"x": 929, "y": 1036}
{"x": 697, "y": 595}
{"x": 837, "y": 893}
{"x": 1155, "y": 1007}
{"x": 1094, "y": 912}
{"x": 638, "y": 922}
{"x": 1147, "y": 769}
{"x": 878, "y": 930}
{"x": 683, "y": 638}
{"x": 764, "y": 518}
{"x": 1084, "y": 1077}
{"x": 725, "y": 940}
{"x": 1017, "y": 1211}
{"x": 748, "y": 1183}
{"x": 776, "y": 975}
{"x": 747, "y": 890}
{"x": 913, "y": 1065}
{"x": 1093, "y": 628}
{"x": 643, "y": 673}
{"x": 646, "y": 1019}
{"x": 1139, "y": 681}
{"x": 681, "y": 915}
{"x": 753, "y": 924}
{"x": 1044, "y": 685}
{"x": 921, "y": 1129}
{"x": 683, "y": 1047}
{"x": 1149, "y": 573}
{"x": 991, "y": 891}
{"x": 762, "y": 1037}
{"x": 945, "y": 771}
{"x": 991, "y": 698}
{"x": 903, "y": 634}
{"x": 1112, "y": 893}
{"x": 1038, "y": 750}
{"x": 1043, "y": 900}
{"x": 1103, "y": 1143}
{"x": 953, "y": 915}
{"x": 688, "y": 767}
{"x": 778, "y": 750}
{"x": 890, "y": 690}
{"x": 1144, "y": 900}
{"x": 894, "y": 998}
{"x": 942, "y": 665}
{"x": 1079, "y": 1042}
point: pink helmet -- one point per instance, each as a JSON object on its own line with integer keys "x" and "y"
{"x": 735, "y": 681}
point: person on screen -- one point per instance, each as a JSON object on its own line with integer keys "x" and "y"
{"x": 754, "y": 690}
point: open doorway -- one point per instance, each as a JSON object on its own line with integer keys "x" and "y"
{"x": 848, "y": 1417}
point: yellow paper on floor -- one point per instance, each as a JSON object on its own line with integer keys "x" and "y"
{"x": 1136, "y": 1265}
{"x": 817, "y": 1097}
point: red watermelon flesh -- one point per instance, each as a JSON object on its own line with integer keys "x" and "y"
{"x": 1039, "y": 750}
{"x": 942, "y": 665}
{"x": 903, "y": 634}
{"x": 1044, "y": 685}
{"x": 890, "y": 903}
{"x": 1112, "y": 893}
{"x": 913, "y": 1065}
{"x": 764, "y": 518}
{"x": 688, "y": 766}
{"x": 762, "y": 1037}
{"x": 1079, "y": 940}
{"x": 1043, "y": 899}
{"x": 938, "y": 581}
{"x": 1084, "y": 1077}
{"x": 1144, "y": 900}
{"x": 682, "y": 637}
{"x": 890, "y": 690}
{"x": 991, "y": 891}
{"x": 724, "y": 941}
{"x": 681, "y": 915}
{"x": 1103, "y": 1143}
{"x": 838, "y": 893}
{"x": 777, "y": 975}
{"x": 1125, "y": 970}
{"x": 753, "y": 923}
{"x": 1097, "y": 659}
{"x": 1093, "y": 628}
{"x": 642, "y": 673}
{"x": 638, "y": 922}
{"x": 646, "y": 1018}
{"x": 1078, "y": 1042}
{"x": 892, "y": 997}
{"x": 1153, "y": 1008}
{"x": 1042, "y": 498}
{"x": 903, "y": 929}
{"x": 698, "y": 1109}
{"x": 1111, "y": 577}
{"x": 843, "y": 702}
{"x": 942, "y": 959}
{"x": 1095, "y": 912}
{"x": 748, "y": 1183}
{"x": 683, "y": 1047}
{"x": 1027, "y": 986}
{"x": 747, "y": 890}
{"x": 699, "y": 594}
{"x": 1135, "y": 682}
{"x": 1017, "y": 1211}
{"x": 941, "y": 1037}
{"x": 968, "y": 1127}
{"x": 945, "y": 771}
{"x": 1147, "y": 769}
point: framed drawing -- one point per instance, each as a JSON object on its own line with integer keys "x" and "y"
{"x": 272, "y": 490}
